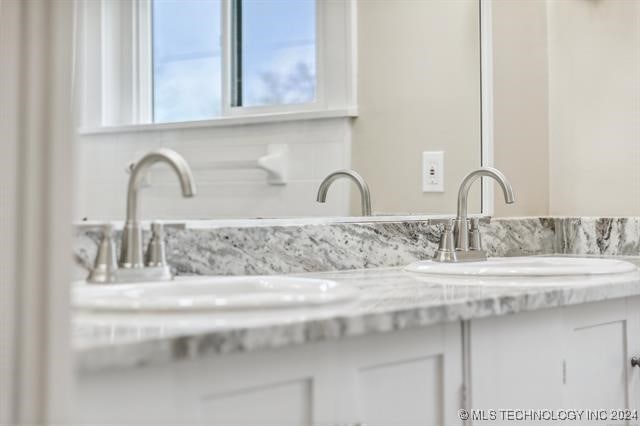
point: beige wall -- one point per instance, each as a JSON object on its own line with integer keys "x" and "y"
{"x": 418, "y": 90}
{"x": 520, "y": 104}
{"x": 594, "y": 107}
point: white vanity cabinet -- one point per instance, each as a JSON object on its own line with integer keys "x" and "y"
{"x": 411, "y": 377}
{"x": 574, "y": 357}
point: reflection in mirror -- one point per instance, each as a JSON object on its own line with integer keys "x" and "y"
{"x": 390, "y": 89}
{"x": 361, "y": 184}
{"x": 264, "y": 99}
{"x": 187, "y": 68}
{"x": 273, "y": 64}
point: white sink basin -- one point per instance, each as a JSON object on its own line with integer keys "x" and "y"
{"x": 187, "y": 294}
{"x": 512, "y": 267}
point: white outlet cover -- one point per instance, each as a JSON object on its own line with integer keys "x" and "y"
{"x": 433, "y": 171}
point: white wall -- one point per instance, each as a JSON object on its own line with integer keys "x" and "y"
{"x": 316, "y": 148}
{"x": 594, "y": 107}
{"x": 9, "y": 118}
{"x": 35, "y": 199}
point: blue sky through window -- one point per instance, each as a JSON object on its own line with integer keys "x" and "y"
{"x": 187, "y": 74}
{"x": 278, "y": 47}
{"x": 278, "y": 56}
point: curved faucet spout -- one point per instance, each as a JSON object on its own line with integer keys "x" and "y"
{"x": 131, "y": 251}
{"x": 365, "y": 195}
{"x": 140, "y": 170}
{"x": 497, "y": 175}
{"x": 461, "y": 235}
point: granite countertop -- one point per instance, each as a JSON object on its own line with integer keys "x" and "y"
{"x": 390, "y": 299}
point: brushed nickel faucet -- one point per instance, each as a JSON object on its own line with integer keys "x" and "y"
{"x": 460, "y": 240}
{"x": 132, "y": 266}
{"x": 131, "y": 251}
{"x": 365, "y": 195}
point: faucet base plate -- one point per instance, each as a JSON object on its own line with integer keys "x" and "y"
{"x": 471, "y": 255}
{"x": 135, "y": 275}
{"x": 448, "y": 256}
{"x": 445, "y": 256}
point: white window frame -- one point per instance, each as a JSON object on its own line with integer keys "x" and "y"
{"x": 123, "y": 79}
{"x": 142, "y": 63}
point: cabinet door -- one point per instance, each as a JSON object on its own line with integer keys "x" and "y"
{"x": 600, "y": 341}
{"x": 406, "y": 378}
{"x": 515, "y": 362}
{"x": 633, "y": 350}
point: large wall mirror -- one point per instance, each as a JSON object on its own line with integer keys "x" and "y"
{"x": 265, "y": 98}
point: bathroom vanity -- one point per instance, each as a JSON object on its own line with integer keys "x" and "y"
{"x": 400, "y": 354}
{"x": 409, "y": 350}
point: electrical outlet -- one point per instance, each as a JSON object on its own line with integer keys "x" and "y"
{"x": 433, "y": 171}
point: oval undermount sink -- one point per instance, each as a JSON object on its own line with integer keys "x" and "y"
{"x": 511, "y": 267}
{"x": 213, "y": 294}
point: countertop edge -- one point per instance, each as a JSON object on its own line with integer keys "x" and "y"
{"x": 153, "y": 352}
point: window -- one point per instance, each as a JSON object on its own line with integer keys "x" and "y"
{"x": 220, "y": 61}
{"x": 187, "y": 60}
{"x": 274, "y": 52}
{"x": 273, "y": 56}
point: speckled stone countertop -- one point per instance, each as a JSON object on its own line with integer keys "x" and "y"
{"x": 278, "y": 246}
{"x": 390, "y": 299}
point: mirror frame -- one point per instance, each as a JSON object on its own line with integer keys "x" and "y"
{"x": 486, "y": 103}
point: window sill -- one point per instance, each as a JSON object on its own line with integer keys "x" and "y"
{"x": 279, "y": 117}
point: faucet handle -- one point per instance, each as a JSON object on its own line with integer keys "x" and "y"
{"x": 106, "y": 265}
{"x": 475, "y": 241}
{"x": 447, "y": 250}
{"x": 156, "y": 258}
{"x": 156, "y": 253}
